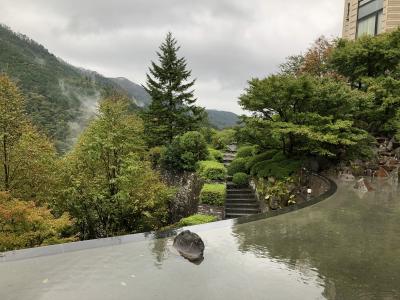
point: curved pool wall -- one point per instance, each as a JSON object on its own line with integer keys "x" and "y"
{"x": 346, "y": 247}
{"x": 119, "y": 240}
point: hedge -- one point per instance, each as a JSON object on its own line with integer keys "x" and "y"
{"x": 196, "y": 220}
{"x": 215, "y": 155}
{"x": 213, "y": 194}
{"x": 259, "y": 158}
{"x": 238, "y": 165}
{"x": 247, "y": 151}
{"x": 241, "y": 179}
{"x": 211, "y": 170}
{"x": 277, "y": 169}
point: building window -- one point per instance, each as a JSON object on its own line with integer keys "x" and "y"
{"x": 348, "y": 12}
{"x": 369, "y": 20}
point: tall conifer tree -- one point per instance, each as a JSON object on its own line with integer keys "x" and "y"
{"x": 173, "y": 110}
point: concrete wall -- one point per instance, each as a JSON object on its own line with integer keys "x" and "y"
{"x": 350, "y": 24}
{"x": 390, "y": 17}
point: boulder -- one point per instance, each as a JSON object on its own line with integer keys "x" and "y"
{"x": 363, "y": 186}
{"x": 382, "y": 173}
{"x": 190, "y": 246}
{"x": 346, "y": 177}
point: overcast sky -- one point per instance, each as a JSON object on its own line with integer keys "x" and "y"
{"x": 225, "y": 42}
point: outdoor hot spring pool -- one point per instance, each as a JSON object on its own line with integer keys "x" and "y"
{"x": 345, "y": 247}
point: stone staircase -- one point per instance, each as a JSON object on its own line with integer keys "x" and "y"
{"x": 240, "y": 201}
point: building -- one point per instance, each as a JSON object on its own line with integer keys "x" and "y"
{"x": 370, "y": 17}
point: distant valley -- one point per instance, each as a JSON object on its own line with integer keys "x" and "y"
{"x": 62, "y": 98}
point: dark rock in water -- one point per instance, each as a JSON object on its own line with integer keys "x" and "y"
{"x": 190, "y": 246}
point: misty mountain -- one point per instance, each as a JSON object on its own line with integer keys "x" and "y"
{"x": 222, "y": 119}
{"x": 218, "y": 119}
{"x": 134, "y": 90}
{"x": 61, "y": 98}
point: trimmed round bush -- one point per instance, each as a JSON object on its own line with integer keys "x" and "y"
{"x": 241, "y": 179}
{"x": 237, "y": 166}
{"x": 215, "y": 154}
{"x": 211, "y": 170}
{"x": 247, "y": 151}
{"x": 196, "y": 220}
{"x": 213, "y": 194}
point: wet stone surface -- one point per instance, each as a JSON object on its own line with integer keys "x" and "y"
{"x": 190, "y": 246}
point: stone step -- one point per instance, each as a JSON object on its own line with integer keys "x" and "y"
{"x": 241, "y": 211}
{"x": 251, "y": 200}
{"x": 240, "y": 196}
{"x": 238, "y": 191}
{"x": 242, "y": 205}
{"x": 236, "y": 215}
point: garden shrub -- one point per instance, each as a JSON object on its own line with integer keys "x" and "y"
{"x": 247, "y": 151}
{"x": 155, "y": 155}
{"x": 215, "y": 154}
{"x": 241, "y": 179}
{"x": 211, "y": 170}
{"x": 238, "y": 165}
{"x": 223, "y": 138}
{"x": 185, "y": 151}
{"x": 259, "y": 158}
{"x": 196, "y": 220}
{"x": 213, "y": 194}
{"x": 277, "y": 169}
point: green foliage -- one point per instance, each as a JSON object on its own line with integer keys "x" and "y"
{"x": 223, "y": 138}
{"x": 156, "y": 154}
{"x": 172, "y": 111}
{"x": 213, "y": 194}
{"x": 27, "y": 157}
{"x": 107, "y": 186}
{"x": 247, "y": 151}
{"x": 196, "y": 220}
{"x": 211, "y": 170}
{"x": 305, "y": 115}
{"x": 185, "y": 152}
{"x": 23, "y": 224}
{"x": 259, "y": 158}
{"x": 215, "y": 154}
{"x": 237, "y": 165}
{"x": 241, "y": 179}
{"x": 371, "y": 65}
{"x": 278, "y": 169}
{"x": 54, "y": 90}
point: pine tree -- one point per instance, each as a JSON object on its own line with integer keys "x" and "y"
{"x": 173, "y": 110}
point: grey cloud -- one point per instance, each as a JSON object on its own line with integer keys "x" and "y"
{"x": 226, "y": 42}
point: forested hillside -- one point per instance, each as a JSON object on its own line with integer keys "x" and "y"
{"x": 59, "y": 97}
{"x": 222, "y": 119}
{"x": 134, "y": 90}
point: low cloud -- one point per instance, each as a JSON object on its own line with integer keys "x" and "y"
{"x": 226, "y": 42}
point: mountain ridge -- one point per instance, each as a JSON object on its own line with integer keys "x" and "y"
{"x": 60, "y": 98}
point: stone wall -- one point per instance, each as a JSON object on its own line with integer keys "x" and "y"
{"x": 187, "y": 197}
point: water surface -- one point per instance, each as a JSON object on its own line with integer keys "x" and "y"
{"x": 346, "y": 247}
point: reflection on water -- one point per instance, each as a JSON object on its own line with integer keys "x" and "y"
{"x": 346, "y": 247}
{"x": 352, "y": 242}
